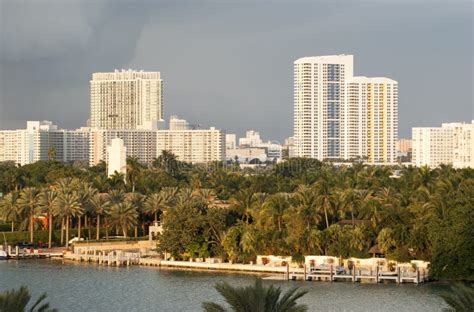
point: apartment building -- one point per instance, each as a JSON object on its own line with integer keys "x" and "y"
{"x": 341, "y": 116}
{"x": 450, "y": 144}
{"x": 193, "y": 146}
{"x": 125, "y": 99}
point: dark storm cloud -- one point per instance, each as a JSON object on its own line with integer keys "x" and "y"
{"x": 229, "y": 63}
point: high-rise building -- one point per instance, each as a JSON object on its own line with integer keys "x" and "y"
{"x": 339, "y": 116}
{"x": 319, "y": 95}
{"x": 126, "y": 99}
{"x": 370, "y": 120}
{"x": 450, "y": 144}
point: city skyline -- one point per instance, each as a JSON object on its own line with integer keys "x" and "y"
{"x": 57, "y": 72}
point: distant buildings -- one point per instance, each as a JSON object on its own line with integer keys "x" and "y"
{"x": 126, "y": 99}
{"x": 178, "y": 124}
{"x": 251, "y": 139}
{"x": 252, "y": 148}
{"x": 247, "y": 155}
{"x": 42, "y": 140}
{"x": 230, "y": 141}
{"x": 450, "y": 144}
{"x": 342, "y": 117}
{"x": 404, "y": 150}
{"x": 404, "y": 146}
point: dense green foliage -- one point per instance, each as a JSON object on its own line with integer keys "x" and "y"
{"x": 257, "y": 298}
{"x": 17, "y": 300}
{"x": 459, "y": 296}
{"x": 296, "y": 208}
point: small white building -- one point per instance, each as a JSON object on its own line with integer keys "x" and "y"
{"x": 116, "y": 157}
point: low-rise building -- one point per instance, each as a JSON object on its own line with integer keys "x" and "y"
{"x": 193, "y": 146}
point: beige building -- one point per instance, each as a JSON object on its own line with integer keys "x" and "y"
{"x": 370, "y": 120}
{"x": 126, "y": 99}
{"x": 193, "y": 146}
{"x": 404, "y": 146}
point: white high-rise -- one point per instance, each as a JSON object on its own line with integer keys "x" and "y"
{"x": 450, "y": 144}
{"x": 126, "y": 99}
{"x": 319, "y": 94}
{"x": 339, "y": 116}
{"x": 42, "y": 140}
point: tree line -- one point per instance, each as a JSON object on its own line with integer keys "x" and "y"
{"x": 295, "y": 208}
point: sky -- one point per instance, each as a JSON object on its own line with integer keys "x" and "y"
{"x": 229, "y": 63}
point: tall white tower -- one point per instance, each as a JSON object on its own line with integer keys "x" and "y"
{"x": 126, "y": 99}
{"x": 319, "y": 97}
{"x": 116, "y": 157}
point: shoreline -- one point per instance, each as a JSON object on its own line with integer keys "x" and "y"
{"x": 330, "y": 273}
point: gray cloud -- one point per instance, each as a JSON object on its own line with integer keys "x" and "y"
{"x": 229, "y": 64}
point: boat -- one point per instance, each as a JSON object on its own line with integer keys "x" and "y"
{"x": 3, "y": 255}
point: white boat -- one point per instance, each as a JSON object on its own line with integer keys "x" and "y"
{"x": 3, "y": 255}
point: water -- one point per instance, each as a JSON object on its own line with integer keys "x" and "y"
{"x": 88, "y": 287}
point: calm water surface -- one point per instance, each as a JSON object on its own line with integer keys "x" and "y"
{"x": 87, "y": 287}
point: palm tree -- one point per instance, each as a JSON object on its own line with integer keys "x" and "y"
{"x": 46, "y": 201}
{"x": 124, "y": 216}
{"x": 244, "y": 201}
{"x": 306, "y": 205}
{"x": 116, "y": 196}
{"x": 84, "y": 193}
{"x": 117, "y": 180}
{"x": 257, "y": 298}
{"x": 67, "y": 205}
{"x": 155, "y": 203}
{"x": 10, "y": 208}
{"x": 354, "y": 199}
{"x": 325, "y": 199}
{"x": 275, "y": 206}
{"x": 100, "y": 206}
{"x": 137, "y": 201}
{"x": 460, "y": 297}
{"x": 134, "y": 169}
{"x": 28, "y": 202}
{"x": 17, "y": 300}
{"x": 168, "y": 162}
{"x": 207, "y": 196}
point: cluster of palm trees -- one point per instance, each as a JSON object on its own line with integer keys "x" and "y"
{"x": 73, "y": 201}
{"x": 297, "y": 207}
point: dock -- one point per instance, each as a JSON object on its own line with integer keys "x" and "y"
{"x": 30, "y": 253}
{"x": 374, "y": 275}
